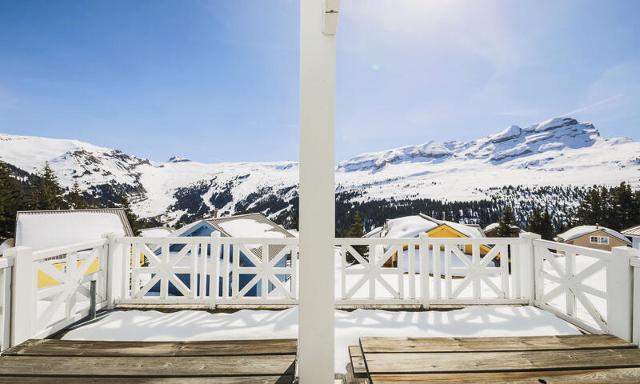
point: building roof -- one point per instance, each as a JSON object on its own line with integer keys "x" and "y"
{"x": 493, "y": 226}
{"x": 156, "y": 232}
{"x": 412, "y": 226}
{"x": 583, "y": 230}
{"x": 47, "y": 229}
{"x": 375, "y": 232}
{"x": 250, "y": 225}
{"x": 633, "y": 231}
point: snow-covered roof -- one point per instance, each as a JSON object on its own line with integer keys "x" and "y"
{"x": 583, "y": 230}
{"x": 48, "y": 229}
{"x": 375, "y": 232}
{"x": 633, "y": 231}
{"x": 155, "y": 232}
{"x": 250, "y": 225}
{"x": 493, "y": 226}
{"x": 408, "y": 226}
{"x": 471, "y": 231}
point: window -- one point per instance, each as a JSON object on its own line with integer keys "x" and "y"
{"x": 599, "y": 240}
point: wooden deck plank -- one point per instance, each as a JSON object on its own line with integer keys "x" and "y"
{"x": 52, "y": 347}
{"x": 146, "y": 366}
{"x": 490, "y": 344}
{"x": 357, "y": 361}
{"x": 501, "y": 361}
{"x": 145, "y": 380}
{"x": 601, "y": 376}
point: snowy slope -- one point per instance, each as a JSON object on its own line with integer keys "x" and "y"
{"x": 559, "y": 151}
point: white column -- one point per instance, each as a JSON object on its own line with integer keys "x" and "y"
{"x": 23, "y": 300}
{"x": 620, "y": 292}
{"x": 115, "y": 265}
{"x": 527, "y": 268}
{"x": 317, "y": 194}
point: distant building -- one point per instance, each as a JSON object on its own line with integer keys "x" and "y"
{"x": 491, "y": 230}
{"x": 416, "y": 225}
{"x": 594, "y": 236}
{"x": 634, "y": 234}
{"x": 156, "y": 232}
{"x": 251, "y": 225}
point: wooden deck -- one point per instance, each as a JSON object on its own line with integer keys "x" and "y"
{"x": 537, "y": 359}
{"x": 244, "y": 361}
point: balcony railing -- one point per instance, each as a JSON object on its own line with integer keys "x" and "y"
{"x": 51, "y": 288}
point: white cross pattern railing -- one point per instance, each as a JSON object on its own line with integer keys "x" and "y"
{"x": 429, "y": 271}
{"x": 53, "y": 286}
{"x": 588, "y": 287}
{"x": 212, "y": 270}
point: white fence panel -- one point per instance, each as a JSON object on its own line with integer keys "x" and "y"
{"x": 51, "y": 287}
{"x": 210, "y": 270}
{"x": 429, "y": 271}
{"x": 5, "y": 302}
{"x": 590, "y": 288}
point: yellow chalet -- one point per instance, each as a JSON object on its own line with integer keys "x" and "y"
{"x": 49, "y": 229}
{"x": 415, "y": 225}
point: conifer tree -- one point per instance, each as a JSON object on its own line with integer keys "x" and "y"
{"x": 46, "y": 192}
{"x": 507, "y": 220}
{"x": 134, "y": 221}
{"x": 75, "y": 199}
{"x": 11, "y": 201}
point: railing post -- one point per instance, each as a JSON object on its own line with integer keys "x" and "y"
{"x": 527, "y": 266}
{"x": 620, "y": 292}
{"x": 635, "y": 263}
{"x": 6, "y": 272}
{"x": 24, "y": 294}
{"x": 423, "y": 250}
{"x": 115, "y": 259}
{"x": 214, "y": 269}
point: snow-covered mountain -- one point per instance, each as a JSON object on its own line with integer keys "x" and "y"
{"x": 557, "y": 152}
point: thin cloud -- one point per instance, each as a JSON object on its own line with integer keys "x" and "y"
{"x": 591, "y": 106}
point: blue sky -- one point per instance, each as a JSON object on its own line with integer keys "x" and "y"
{"x": 218, "y": 80}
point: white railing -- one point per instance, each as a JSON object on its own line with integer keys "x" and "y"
{"x": 590, "y": 288}
{"x": 6, "y": 265}
{"x": 635, "y": 263}
{"x": 212, "y": 270}
{"x": 51, "y": 288}
{"x": 429, "y": 271}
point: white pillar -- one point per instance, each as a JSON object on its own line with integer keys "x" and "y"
{"x": 23, "y": 300}
{"x": 527, "y": 266}
{"x": 317, "y": 194}
{"x": 620, "y": 292}
{"x": 115, "y": 266}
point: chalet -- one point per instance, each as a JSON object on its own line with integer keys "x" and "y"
{"x": 634, "y": 234}
{"x": 593, "y": 236}
{"x": 416, "y": 225}
{"x": 491, "y": 230}
{"x": 251, "y": 225}
{"x": 49, "y": 229}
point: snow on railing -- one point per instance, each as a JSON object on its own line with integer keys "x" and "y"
{"x": 6, "y": 265}
{"x": 588, "y": 287}
{"x": 213, "y": 270}
{"x": 430, "y": 271}
{"x": 51, "y": 289}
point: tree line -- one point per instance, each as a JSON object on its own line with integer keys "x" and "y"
{"x": 21, "y": 191}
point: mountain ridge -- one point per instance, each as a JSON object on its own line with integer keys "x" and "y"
{"x": 560, "y": 151}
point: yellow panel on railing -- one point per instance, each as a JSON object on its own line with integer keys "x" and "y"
{"x": 44, "y": 280}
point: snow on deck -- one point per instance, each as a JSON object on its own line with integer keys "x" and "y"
{"x": 192, "y": 325}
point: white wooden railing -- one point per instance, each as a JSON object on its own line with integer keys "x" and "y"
{"x": 6, "y": 265}
{"x": 590, "y": 288}
{"x": 212, "y": 270}
{"x": 51, "y": 288}
{"x": 430, "y": 271}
